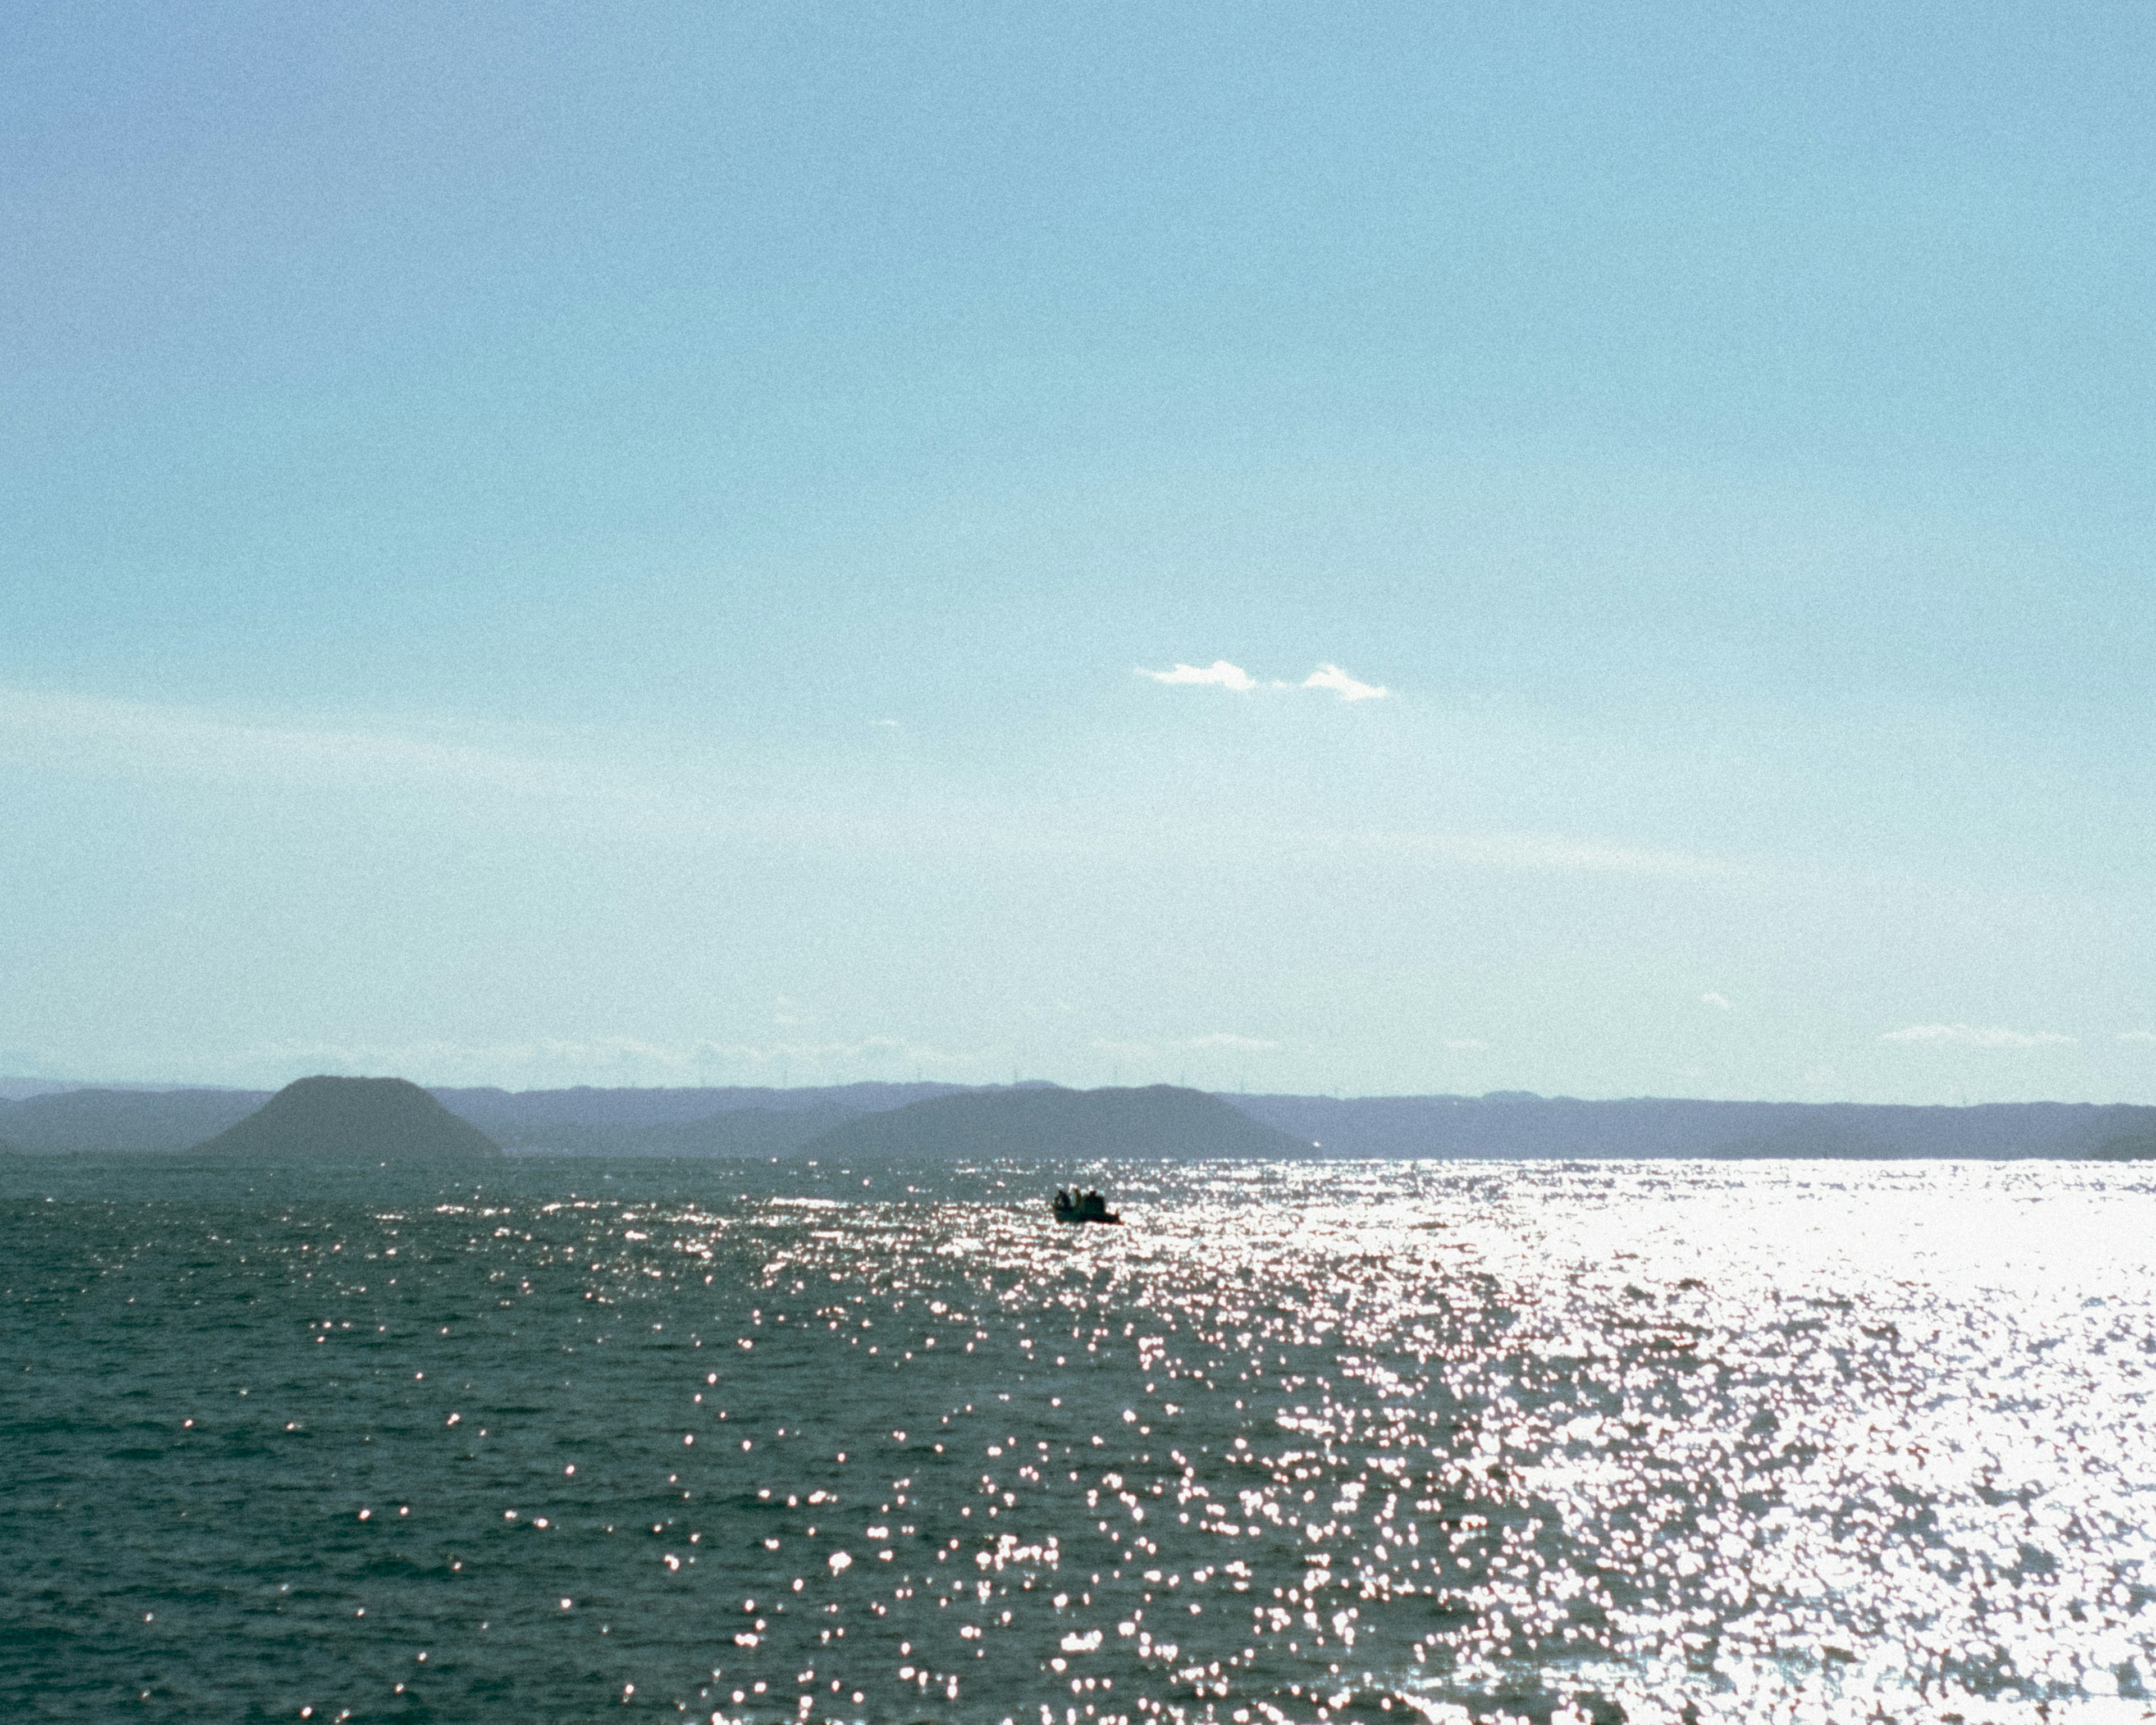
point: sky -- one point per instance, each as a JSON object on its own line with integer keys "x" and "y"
{"x": 1598, "y": 549}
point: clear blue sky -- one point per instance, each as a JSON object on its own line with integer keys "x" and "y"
{"x": 547, "y": 544}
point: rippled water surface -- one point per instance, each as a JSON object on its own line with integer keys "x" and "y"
{"x": 1301, "y": 1442}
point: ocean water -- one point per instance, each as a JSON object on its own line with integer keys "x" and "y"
{"x": 575, "y": 1440}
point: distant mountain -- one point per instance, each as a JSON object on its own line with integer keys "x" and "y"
{"x": 1513, "y": 1124}
{"x": 737, "y": 1131}
{"x": 1047, "y": 1121}
{"x": 352, "y": 1120}
{"x": 2131, "y": 1148}
{"x": 743, "y": 1132}
{"x": 536, "y": 1117}
{"x": 123, "y": 1121}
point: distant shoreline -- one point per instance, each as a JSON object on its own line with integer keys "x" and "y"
{"x": 534, "y": 1153}
{"x": 745, "y": 1124}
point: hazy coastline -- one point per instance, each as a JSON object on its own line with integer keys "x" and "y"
{"x": 756, "y": 1121}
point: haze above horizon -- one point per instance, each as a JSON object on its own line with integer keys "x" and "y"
{"x": 1404, "y": 552}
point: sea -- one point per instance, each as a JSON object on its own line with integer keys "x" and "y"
{"x": 582, "y": 1440}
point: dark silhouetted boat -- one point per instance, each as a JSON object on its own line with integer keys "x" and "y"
{"x": 1085, "y": 1206}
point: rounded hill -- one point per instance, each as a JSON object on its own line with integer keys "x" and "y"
{"x": 352, "y": 1120}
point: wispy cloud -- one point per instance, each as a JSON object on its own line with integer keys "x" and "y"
{"x": 601, "y": 1060}
{"x": 1213, "y": 1042}
{"x": 1347, "y": 688}
{"x": 136, "y": 737}
{"x": 579, "y": 777}
{"x": 1720, "y": 1003}
{"x": 1219, "y": 674}
{"x": 1976, "y": 1036}
{"x": 1536, "y": 852}
{"x": 2137, "y": 1035}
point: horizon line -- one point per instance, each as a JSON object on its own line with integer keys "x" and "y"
{"x": 34, "y": 1086}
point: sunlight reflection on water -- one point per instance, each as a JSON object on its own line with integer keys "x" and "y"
{"x": 1305, "y": 1441}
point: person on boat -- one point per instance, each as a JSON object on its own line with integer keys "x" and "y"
{"x": 1062, "y": 1205}
{"x": 1093, "y": 1206}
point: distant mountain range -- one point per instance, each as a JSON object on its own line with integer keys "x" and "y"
{"x": 737, "y": 1131}
{"x": 539, "y": 1116}
{"x": 763, "y": 1122}
{"x": 1513, "y": 1124}
{"x": 124, "y": 1121}
{"x": 1080, "y": 1125}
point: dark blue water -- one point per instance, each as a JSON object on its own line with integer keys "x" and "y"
{"x": 582, "y": 1440}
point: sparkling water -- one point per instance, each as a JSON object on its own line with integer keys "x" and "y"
{"x": 575, "y": 1440}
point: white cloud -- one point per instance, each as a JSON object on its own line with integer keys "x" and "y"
{"x": 1347, "y": 688}
{"x": 2137, "y": 1035}
{"x": 1973, "y": 1036}
{"x": 1227, "y": 1038}
{"x": 1219, "y": 674}
{"x": 1720, "y": 1003}
{"x": 1466, "y": 1044}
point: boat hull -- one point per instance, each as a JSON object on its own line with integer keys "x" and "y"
{"x": 1089, "y": 1209}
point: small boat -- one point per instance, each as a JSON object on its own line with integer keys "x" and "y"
{"x": 1083, "y": 1207}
